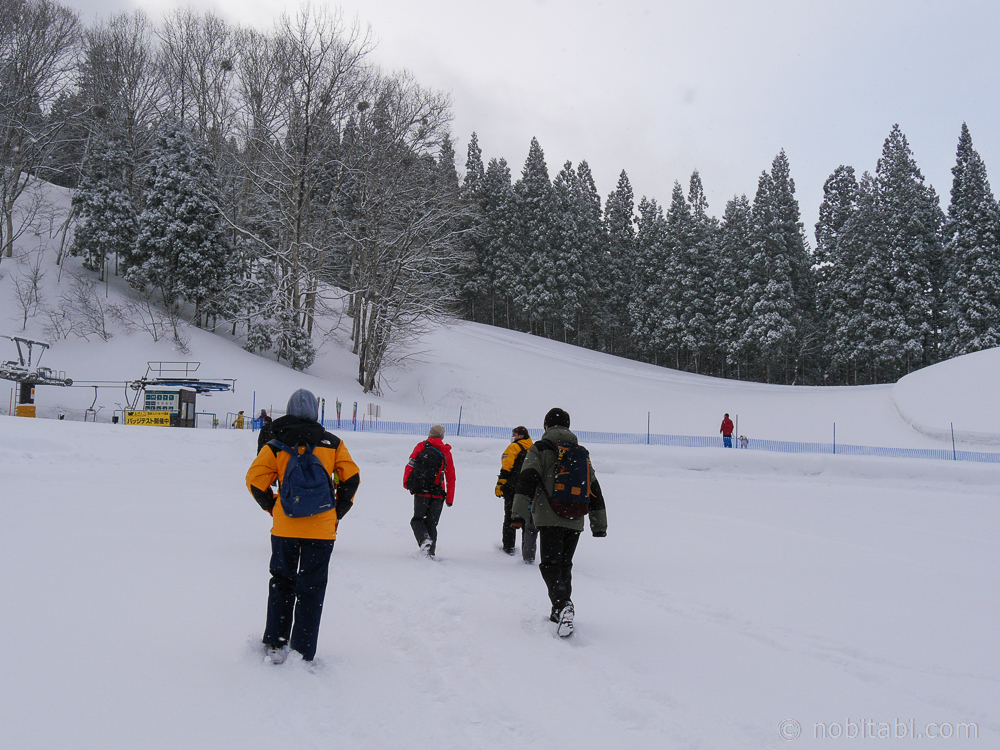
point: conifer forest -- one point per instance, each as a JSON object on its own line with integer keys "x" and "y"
{"x": 260, "y": 182}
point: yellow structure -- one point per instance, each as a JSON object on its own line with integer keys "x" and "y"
{"x": 25, "y": 410}
{"x": 150, "y": 418}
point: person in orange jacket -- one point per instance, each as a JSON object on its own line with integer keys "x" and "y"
{"x": 300, "y": 547}
{"x": 430, "y": 477}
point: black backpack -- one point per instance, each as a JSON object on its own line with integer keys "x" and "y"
{"x": 426, "y": 468}
{"x": 307, "y": 488}
{"x": 570, "y": 496}
{"x": 515, "y": 470}
{"x": 509, "y": 488}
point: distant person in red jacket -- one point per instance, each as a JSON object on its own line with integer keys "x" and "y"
{"x": 727, "y": 432}
{"x": 430, "y": 476}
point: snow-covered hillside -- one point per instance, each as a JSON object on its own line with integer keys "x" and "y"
{"x": 738, "y": 595}
{"x": 495, "y": 377}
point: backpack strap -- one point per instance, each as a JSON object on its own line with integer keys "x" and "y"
{"x": 444, "y": 461}
{"x": 277, "y": 445}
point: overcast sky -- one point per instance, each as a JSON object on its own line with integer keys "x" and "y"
{"x": 660, "y": 89}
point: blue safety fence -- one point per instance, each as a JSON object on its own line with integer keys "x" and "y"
{"x": 684, "y": 441}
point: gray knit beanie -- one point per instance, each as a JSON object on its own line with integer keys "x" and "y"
{"x": 303, "y": 404}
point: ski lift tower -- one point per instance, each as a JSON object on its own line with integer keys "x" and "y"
{"x": 20, "y": 372}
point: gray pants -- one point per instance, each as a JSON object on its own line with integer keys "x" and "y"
{"x": 529, "y": 534}
{"x": 529, "y": 539}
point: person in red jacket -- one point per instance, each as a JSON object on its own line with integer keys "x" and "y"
{"x": 727, "y": 432}
{"x": 430, "y": 476}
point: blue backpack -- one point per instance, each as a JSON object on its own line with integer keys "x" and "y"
{"x": 306, "y": 489}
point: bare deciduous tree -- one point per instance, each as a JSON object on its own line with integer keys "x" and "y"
{"x": 142, "y": 313}
{"x": 403, "y": 225}
{"x": 121, "y": 88}
{"x": 38, "y": 41}
{"x": 197, "y": 60}
{"x": 87, "y": 308}
{"x": 28, "y": 286}
{"x": 59, "y": 322}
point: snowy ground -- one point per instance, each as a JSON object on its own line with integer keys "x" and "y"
{"x": 737, "y": 592}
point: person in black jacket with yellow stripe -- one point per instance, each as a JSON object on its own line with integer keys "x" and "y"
{"x": 510, "y": 468}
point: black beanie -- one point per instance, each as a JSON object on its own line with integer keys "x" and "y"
{"x": 556, "y": 418}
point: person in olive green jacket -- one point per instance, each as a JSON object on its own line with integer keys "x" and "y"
{"x": 558, "y": 536}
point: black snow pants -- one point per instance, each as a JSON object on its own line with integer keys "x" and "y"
{"x": 557, "y": 547}
{"x": 426, "y": 513}
{"x": 299, "y": 572}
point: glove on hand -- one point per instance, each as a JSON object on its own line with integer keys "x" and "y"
{"x": 600, "y": 533}
{"x": 266, "y": 501}
{"x": 449, "y": 503}
{"x": 516, "y": 523}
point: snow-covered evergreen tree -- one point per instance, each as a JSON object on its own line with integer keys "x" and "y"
{"x": 618, "y": 280}
{"x": 674, "y": 275}
{"x": 592, "y": 241}
{"x": 972, "y": 256}
{"x": 697, "y": 263}
{"x": 567, "y": 284}
{"x": 474, "y": 169}
{"x": 291, "y": 342}
{"x": 182, "y": 246}
{"x": 850, "y": 289}
{"x": 107, "y": 217}
{"x": 475, "y": 285}
{"x": 531, "y": 240}
{"x": 446, "y": 171}
{"x": 732, "y": 281}
{"x": 833, "y": 266}
{"x": 778, "y": 296}
{"x": 905, "y": 271}
{"x": 500, "y": 264}
{"x": 648, "y": 315}
{"x": 447, "y": 191}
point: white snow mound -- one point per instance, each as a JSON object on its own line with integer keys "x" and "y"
{"x": 961, "y": 391}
